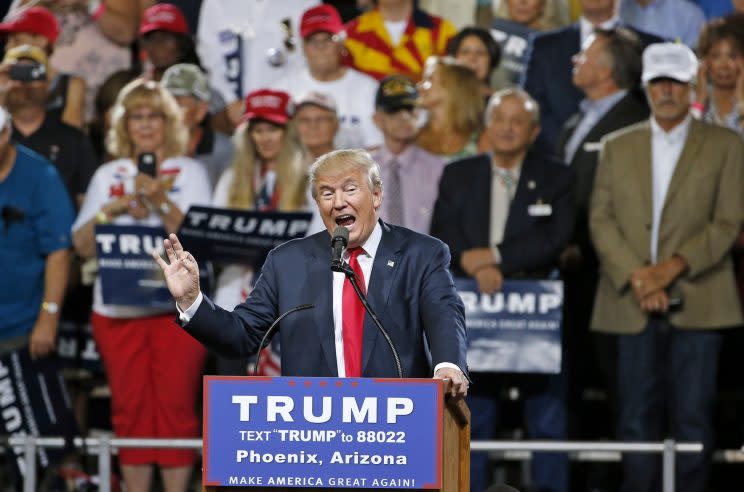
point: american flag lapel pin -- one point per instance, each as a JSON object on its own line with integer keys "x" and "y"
{"x": 391, "y": 263}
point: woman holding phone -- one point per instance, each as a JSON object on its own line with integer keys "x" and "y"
{"x": 152, "y": 365}
{"x": 268, "y": 174}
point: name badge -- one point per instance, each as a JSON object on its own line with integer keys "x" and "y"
{"x": 592, "y": 147}
{"x": 540, "y": 210}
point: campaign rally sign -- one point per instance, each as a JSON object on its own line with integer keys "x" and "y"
{"x": 515, "y": 330}
{"x": 514, "y": 41}
{"x": 76, "y": 348}
{"x": 322, "y": 432}
{"x": 34, "y": 402}
{"x": 238, "y": 236}
{"x": 129, "y": 276}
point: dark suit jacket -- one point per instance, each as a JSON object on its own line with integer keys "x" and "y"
{"x": 548, "y": 78}
{"x": 531, "y": 244}
{"x": 629, "y": 110}
{"x": 410, "y": 288}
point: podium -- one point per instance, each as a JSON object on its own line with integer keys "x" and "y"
{"x": 443, "y": 455}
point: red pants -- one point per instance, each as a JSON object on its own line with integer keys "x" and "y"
{"x": 154, "y": 371}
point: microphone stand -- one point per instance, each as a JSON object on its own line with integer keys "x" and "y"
{"x": 343, "y": 267}
{"x": 261, "y": 346}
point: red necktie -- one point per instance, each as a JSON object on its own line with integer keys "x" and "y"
{"x": 352, "y": 316}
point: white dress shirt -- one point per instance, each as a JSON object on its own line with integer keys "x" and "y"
{"x": 666, "y": 147}
{"x": 366, "y": 260}
{"x": 501, "y": 200}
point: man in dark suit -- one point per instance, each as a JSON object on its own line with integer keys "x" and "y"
{"x": 509, "y": 214}
{"x": 549, "y": 67}
{"x": 405, "y": 275}
{"x": 607, "y": 71}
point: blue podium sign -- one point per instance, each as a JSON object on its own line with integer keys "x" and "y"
{"x": 517, "y": 329}
{"x": 322, "y": 432}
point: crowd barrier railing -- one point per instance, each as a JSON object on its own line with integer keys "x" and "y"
{"x": 105, "y": 446}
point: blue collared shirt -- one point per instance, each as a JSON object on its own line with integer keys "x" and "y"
{"x": 669, "y": 19}
{"x": 593, "y": 111}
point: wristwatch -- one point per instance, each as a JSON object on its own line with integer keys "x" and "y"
{"x": 102, "y": 217}
{"x": 50, "y": 307}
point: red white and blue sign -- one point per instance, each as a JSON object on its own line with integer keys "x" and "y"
{"x": 322, "y": 432}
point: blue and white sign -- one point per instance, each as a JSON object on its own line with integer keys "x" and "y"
{"x": 515, "y": 330}
{"x": 129, "y": 276}
{"x": 238, "y": 236}
{"x": 322, "y": 432}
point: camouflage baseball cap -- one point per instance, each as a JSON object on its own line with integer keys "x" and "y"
{"x": 185, "y": 79}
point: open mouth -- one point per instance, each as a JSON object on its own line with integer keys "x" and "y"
{"x": 345, "y": 220}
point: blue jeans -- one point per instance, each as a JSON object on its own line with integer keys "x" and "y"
{"x": 667, "y": 372}
{"x": 545, "y": 416}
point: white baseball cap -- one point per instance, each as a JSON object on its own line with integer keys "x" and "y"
{"x": 319, "y": 99}
{"x": 669, "y": 60}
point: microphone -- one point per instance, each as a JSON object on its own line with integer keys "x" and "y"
{"x": 338, "y": 244}
{"x": 274, "y": 325}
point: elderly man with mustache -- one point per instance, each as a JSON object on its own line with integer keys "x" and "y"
{"x": 666, "y": 209}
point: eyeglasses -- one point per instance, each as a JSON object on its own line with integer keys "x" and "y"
{"x": 143, "y": 117}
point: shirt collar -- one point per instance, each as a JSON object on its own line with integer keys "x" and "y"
{"x": 373, "y": 241}
{"x": 586, "y": 28}
{"x": 676, "y": 134}
{"x": 602, "y": 105}
{"x": 516, "y": 171}
{"x": 403, "y": 158}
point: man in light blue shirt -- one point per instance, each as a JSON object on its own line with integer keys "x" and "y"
{"x": 669, "y": 19}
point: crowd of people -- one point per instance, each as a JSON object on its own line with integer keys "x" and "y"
{"x": 595, "y": 141}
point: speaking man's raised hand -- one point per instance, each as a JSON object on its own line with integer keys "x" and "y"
{"x": 181, "y": 272}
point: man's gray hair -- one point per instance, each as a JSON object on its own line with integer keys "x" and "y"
{"x": 529, "y": 103}
{"x": 625, "y": 52}
{"x": 338, "y": 161}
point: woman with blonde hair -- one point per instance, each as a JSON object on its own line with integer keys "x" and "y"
{"x": 268, "y": 173}
{"x": 153, "y": 367}
{"x": 452, "y": 96}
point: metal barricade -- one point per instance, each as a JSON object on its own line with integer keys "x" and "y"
{"x": 104, "y": 447}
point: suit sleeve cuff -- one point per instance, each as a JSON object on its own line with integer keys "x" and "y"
{"x": 185, "y": 316}
{"x": 442, "y": 365}
{"x": 496, "y": 255}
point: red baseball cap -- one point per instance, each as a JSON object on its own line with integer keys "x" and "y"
{"x": 269, "y": 105}
{"x": 33, "y": 20}
{"x": 323, "y": 18}
{"x": 163, "y": 17}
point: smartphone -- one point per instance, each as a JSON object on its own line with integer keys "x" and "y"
{"x": 146, "y": 163}
{"x": 27, "y": 72}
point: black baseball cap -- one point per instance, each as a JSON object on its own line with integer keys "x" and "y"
{"x": 396, "y": 92}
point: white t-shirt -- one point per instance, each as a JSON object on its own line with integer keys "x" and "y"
{"x": 354, "y": 94}
{"x": 116, "y": 178}
{"x": 242, "y": 43}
